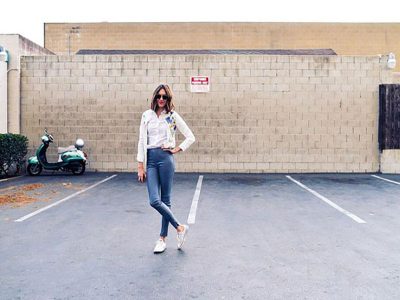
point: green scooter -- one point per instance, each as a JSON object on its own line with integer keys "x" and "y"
{"x": 71, "y": 159}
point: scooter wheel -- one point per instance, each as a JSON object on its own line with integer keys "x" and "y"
{"x": 34, "y": 169}
{"x": 79, "y": 169}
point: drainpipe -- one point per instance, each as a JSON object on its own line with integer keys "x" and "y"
{"x": 3, "y": 90}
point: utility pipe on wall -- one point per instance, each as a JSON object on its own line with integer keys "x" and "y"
{"x": 3, "y": 90}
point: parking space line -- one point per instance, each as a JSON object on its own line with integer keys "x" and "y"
{"x": 395, "y": 182}
{"x": 192, "y": 214}
{"x": 62, "y": 200}
{"x": 329, "y": 202}
{"x": 1, "y": 180}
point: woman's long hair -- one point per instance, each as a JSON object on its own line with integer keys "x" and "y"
{"x": 169, "y": 106}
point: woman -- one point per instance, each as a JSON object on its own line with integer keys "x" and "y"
{"x": 156, "y": 149}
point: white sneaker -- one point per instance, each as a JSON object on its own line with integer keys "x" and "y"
{"x": 181, "y": 236}
{"x": 160, "y": 246}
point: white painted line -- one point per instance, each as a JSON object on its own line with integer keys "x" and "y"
{"x": 329, "y": 202}
{"x": 395, "y": 182}
{"x": 62, "y": 200}
{"x": 192, "y": 214}
{"x": 1, "y": 180}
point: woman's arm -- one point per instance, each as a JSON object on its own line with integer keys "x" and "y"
{"x": 140, "y": 154}
{"x": 185, "y": 130}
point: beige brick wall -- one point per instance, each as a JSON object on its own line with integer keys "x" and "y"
{"x": 390, "y": 161}
{"x": 262, "y": 114}
{"x": 344, "y": 38}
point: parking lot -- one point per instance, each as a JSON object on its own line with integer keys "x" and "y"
{"x": 254, "y": 236}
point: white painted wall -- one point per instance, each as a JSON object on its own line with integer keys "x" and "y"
{"x": 3, "y": 97}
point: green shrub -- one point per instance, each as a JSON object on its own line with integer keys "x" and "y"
{"x": 13, "y": 148}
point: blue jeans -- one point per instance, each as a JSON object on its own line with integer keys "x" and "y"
{"x": 160, "y": 174}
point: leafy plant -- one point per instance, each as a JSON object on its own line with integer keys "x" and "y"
{"x": 13, "y": 149}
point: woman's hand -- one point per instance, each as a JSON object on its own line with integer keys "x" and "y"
{"x": 141, "y": 173}
{"x": 173, "y": 151}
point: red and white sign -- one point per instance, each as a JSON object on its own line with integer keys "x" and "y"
{"x": 199, "y": 84}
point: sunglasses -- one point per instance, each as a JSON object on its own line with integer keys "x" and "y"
{"x": 164, "y": 97}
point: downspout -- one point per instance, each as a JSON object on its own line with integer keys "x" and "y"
{"x": 3, "y": 90}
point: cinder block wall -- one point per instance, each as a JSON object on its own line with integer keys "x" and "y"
{"x": 262, "y": 114}
{"x": 344, "y": 38}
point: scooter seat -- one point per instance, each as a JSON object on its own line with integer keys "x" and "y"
{"x": 62, "y": 149}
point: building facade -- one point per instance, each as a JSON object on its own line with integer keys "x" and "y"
{"x": 343, "y": 38}
{"x": 262, "y": 113}
{"x": 16, "y": 46}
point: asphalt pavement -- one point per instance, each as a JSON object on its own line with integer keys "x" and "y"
{"x": 255, "y": 236}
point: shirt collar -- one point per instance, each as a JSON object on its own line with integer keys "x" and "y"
{"x": 164, "y": 112}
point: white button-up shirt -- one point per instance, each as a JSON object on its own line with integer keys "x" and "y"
{"x": 173, "y": 121}
{"x": 157, "y": 131}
